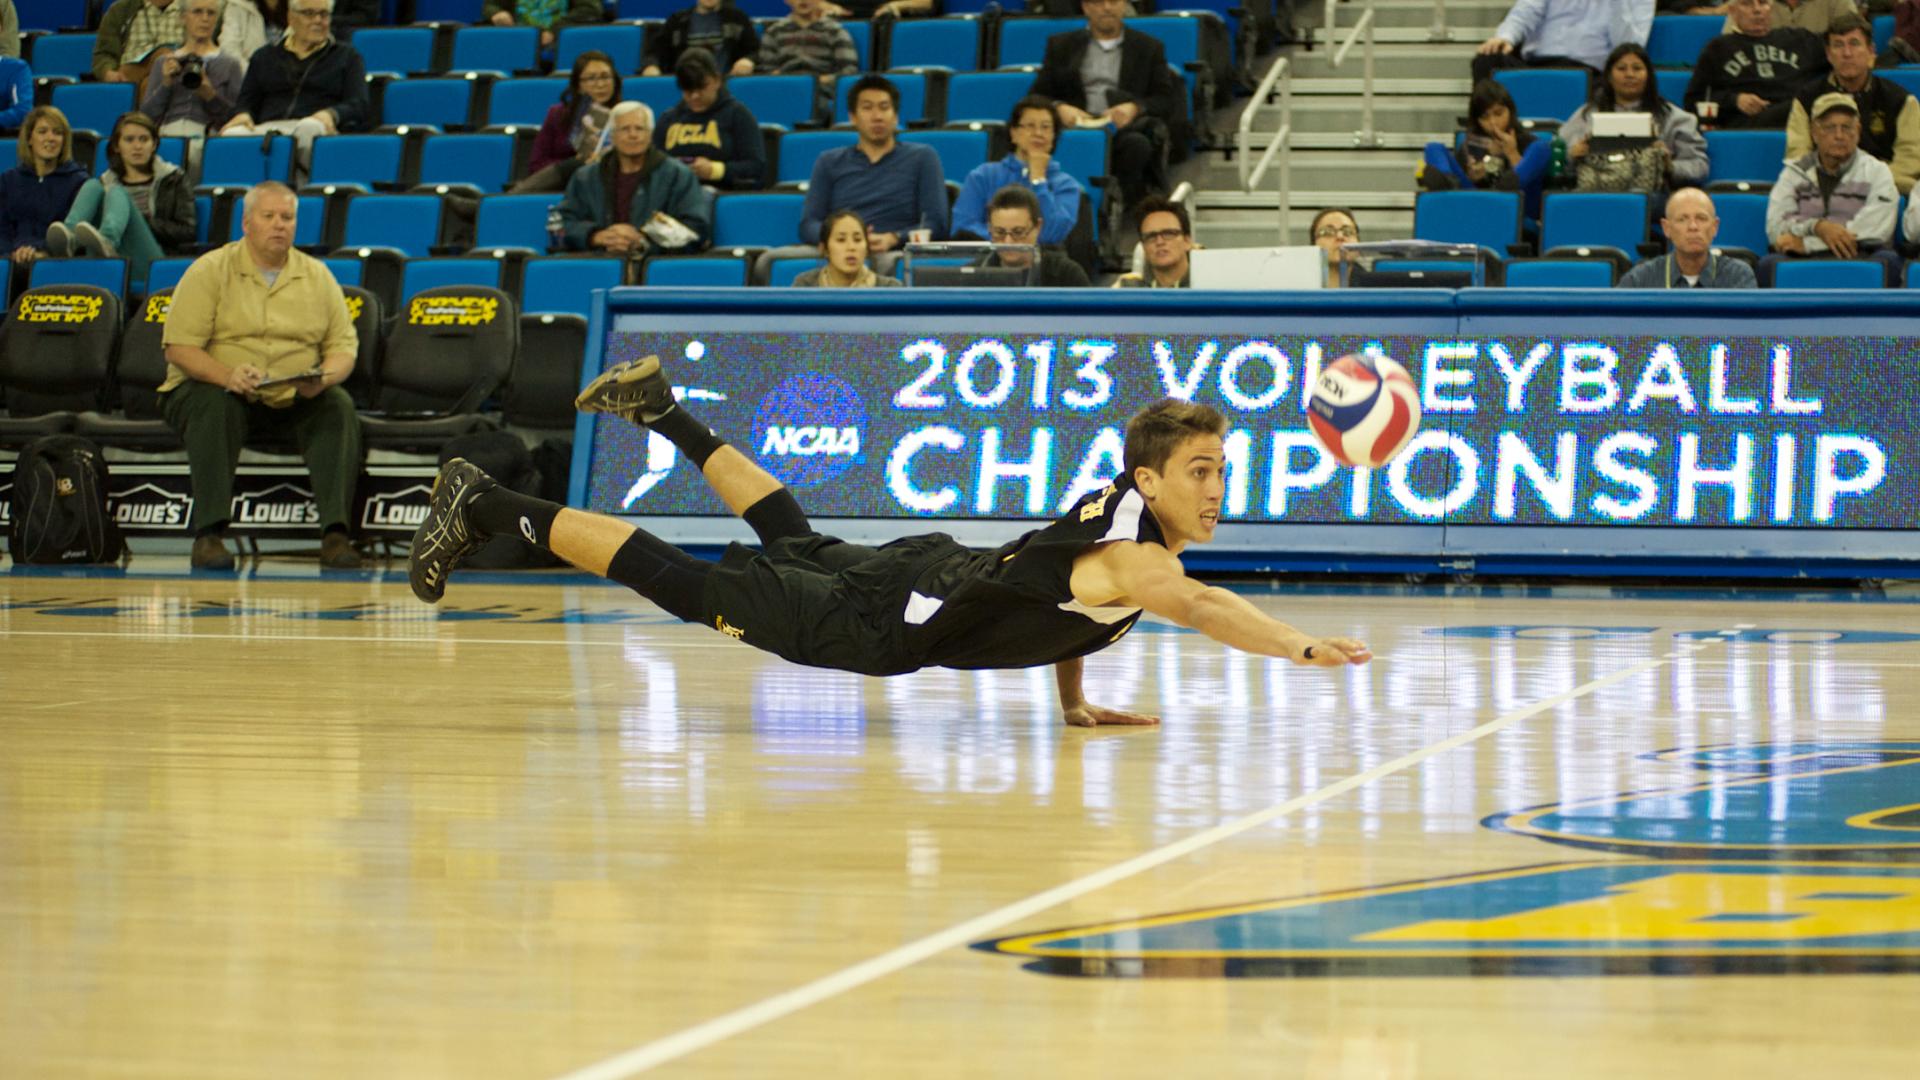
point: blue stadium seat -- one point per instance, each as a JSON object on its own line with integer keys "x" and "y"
{"x": 1906, "y": 78}
{"x": 696, "y": 273}
{"x": 50, "y": 15}
{"x": 6, "y": 277}
{"x": 757, "y": 220}
{"x": 798, "y": 149}
{"x": 93, "y": 105}
{"x": 357, "y": 161}
{"x": 165, "y": 273}
{"x": 1594, "y": 219}
{"x": 1854, "y": 274}
{"x": 236, "y": 160}
{"x": 1745, "y": 155}
{"x": 1488, "y": 218}
{"x": 1560, "y": 274}
{"x": 446, "y": 104}
{"x": 407, "y": 223}
{"x": 63, "y": 55}
{"x": 485, "y": 161}
{"x": 345, "y": 271}
{"x": 108, "y": 274}
{"x": 565, "y": 286}
{"x": 1082, "y": 154}
{"x": 913, "y": 97}
{"x": 986, "y": 95}
{"x": 620, "y": 42}
{"x": 1676, "y": 40}
{"x": 203, "y": 218}
{"x": 629, "y": 10}
{"x": 763, "y": 9}
{"x": 1743, "y": 220}
{"x": 1913, "y": 274}
{"x": 513, "y": 221}
{"x": 781, "y": 272}
{"x": 395, "y": 50}
{"x": 1024, "y": 41}
{"x": 774, "y": 99}
{"x": 1672, "y": 83}
{"x": 523, "y": 101}
{"x": 1882, "y": 32}
{"x": 431, "y": 273}
{"x": 1179, "y": 33}
{"x": 657, "y": 92}
{"x": 862, "y": 35}
{"x": 960, "y": 152}
{"x": 1545, "y": 93}
{"x": 9, "y": 153}
{"x": 494, "y": 48}
{"x": 949, "y": 42}
{"x": 453, "y": 11}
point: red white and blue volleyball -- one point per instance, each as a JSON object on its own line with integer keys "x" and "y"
{"x": 1364, "y": 409}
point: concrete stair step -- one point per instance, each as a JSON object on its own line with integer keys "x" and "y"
{"x": 1454, "y": 84}
{"x": 1391, "y": 61}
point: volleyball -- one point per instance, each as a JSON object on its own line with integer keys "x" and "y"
{"x": 1364, "y": 409}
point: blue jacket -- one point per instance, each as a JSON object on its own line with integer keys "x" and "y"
{"x": 1530, "y": 174}
{"x": 16, "y": 91}
{"x": 30, "y": 203}
{"x": 669, "y": 187}
{"x": 1059, "y": 198}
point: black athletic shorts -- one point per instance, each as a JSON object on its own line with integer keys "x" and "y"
{"x": 823, "y": 602}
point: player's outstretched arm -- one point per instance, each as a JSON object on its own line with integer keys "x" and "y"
{"x": 1079, "y": 713}
{"x": 1148, "y": 576}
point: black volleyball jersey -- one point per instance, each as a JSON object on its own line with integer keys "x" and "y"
{"x": 1014, "y": 606}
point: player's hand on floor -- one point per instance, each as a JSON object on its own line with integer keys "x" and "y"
{"x": 1095, "y": 716}
{"x": 1333, "y": 652}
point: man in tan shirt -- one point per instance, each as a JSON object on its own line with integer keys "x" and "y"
{"x": 259, "y": 340}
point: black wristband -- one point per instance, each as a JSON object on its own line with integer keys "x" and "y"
{"x": 1309, "y": 653}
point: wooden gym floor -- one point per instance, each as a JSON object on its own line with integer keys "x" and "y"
{"x": 277, "y": 825}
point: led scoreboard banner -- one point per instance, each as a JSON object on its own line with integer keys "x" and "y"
{"x": 1563, "y": 427}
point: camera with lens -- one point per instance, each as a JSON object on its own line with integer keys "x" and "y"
{"x": 192, "y": 71}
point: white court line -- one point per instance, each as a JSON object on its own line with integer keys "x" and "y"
{"x": 699, "y": 1037}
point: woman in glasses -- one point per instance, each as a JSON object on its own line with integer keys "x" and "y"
{"x": 1035, "y": 127}
{"x": 1332, "y": 230}
{"x": 576, "y": 130}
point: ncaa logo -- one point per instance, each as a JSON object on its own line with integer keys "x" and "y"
{"x": 809, "y": 429}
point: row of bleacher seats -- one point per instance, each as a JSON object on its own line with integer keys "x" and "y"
{"x": 957, "y": 43}
{"x": 1613, "y": 227}
{"x": 1578, "y": 273}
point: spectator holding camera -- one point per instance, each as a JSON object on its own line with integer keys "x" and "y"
{"x": 1496, "y": 152}
{"x": 192, "y": 89}
{"x": 1677, "y": 154}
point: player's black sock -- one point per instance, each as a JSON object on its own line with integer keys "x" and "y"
{"x": 684, "y": 430}
{"x": 662, "y": 573}
{"x": 777, "y": 516}
{"x": 500, "y": 509}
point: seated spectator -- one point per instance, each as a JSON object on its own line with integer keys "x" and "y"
{"x": 16, "y": 92}
{"x": 141, "y": 207}
{"x": 38, "y": 192}
{"x": 1014, "y": 217}
{"x": 710, "y": 131}
{"x": 130, "y": 32}
{"x": 843, "y": 244}
{"x": 724, "y": 31}
{"x": 1836, "y": 202}
{"x": 607, "y": 207}
{"x": 1747, "y": 79}
{"x": 1107, "y": 74}
{"x": 1166, "y": 235}
{"x": 1677, "y": 154}
{"x": 808, "y": 43}
{"x": 1690, "y": 225}
{"x": 192, "y": 90}
{"x": 1889, "y": 115}
{"x": 1332, "y": 230}
{"x": 1035, "y": 126}
{"x": 254, "y": 310}
{"x": 1812, "y": 15}
{"x": 896, "y": 187}
{"x": 1496, "y": 153}
{"x": 549, "y": 16}
{"x": 1562, "y": 33}
{"x": 247, "y": 26}
{"x": 305, "y": 86}
{"x": 575, "y": 130}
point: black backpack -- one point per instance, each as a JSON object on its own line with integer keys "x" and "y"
{"x": 501, "y": 455}
{"x": 59, "y": 508}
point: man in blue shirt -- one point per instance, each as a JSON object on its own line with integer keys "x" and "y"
{"x": 1563, "y": 33}
{"x": 896, "y": 187}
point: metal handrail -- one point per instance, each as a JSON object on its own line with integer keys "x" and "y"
{"x": 1439, "y": 30}
{"x": 1251, "y": 172}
